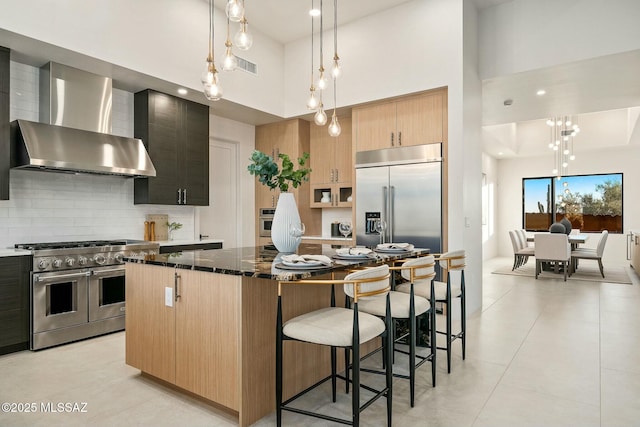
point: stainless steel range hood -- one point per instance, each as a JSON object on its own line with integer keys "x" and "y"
{"x": 75, "y": 130}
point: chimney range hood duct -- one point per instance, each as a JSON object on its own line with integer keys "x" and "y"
{"x": 75, "y": 133}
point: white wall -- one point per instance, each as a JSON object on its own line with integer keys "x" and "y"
{"x": 525, "y": 35}
{"x": 509, "y": 194}
{"x": 167, "y": 39}
{"x": 489, "y": 194}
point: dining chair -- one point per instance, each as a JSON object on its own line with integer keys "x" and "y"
{"x": 339, "y": 327}
{"x": 445, "y": 292}
{"x": 590, "y": 253}
{"x": 552, "y": 247}
{"x": 405, "y": 305}
{"x": 521, "y": 253}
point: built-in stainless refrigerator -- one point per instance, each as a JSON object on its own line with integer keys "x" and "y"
{"x": 403, "y": 187}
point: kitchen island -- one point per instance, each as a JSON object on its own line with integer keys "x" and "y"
{"x": 204, "y": 321}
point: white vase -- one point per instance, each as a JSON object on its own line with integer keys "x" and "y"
{"x": 285, "y": 215}
{"x": 326, "y": 197}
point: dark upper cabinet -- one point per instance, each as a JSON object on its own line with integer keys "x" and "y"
{"x": 14, "y": 303}
{"x": 176, "y": 134}
{"x": 5, "y": 146}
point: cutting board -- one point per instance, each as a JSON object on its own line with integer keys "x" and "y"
{"x": 162, "y": 231}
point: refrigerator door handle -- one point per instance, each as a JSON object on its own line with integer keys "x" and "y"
{"x": 392, "y": 207}
{"x": 385, "y": 211}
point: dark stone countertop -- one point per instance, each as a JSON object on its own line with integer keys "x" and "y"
{"x": 259, "y": 261}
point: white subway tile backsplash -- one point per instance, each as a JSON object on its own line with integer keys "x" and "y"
{"x": 47, "y": 206}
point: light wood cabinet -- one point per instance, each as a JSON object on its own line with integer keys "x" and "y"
{"x": 189, "y": 344}
{"x": 413, "y": 120}
{"x": 332, "y": 166}
{"x": 289, "y": 137}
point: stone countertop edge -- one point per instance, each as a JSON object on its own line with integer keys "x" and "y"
{"x": 187, "y": 242}
{"x": 13, "y": 252}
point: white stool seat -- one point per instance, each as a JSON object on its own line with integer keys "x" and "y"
{"x": 423, "y": 288}
{"x": 400, "y": 304}
{"x": 333, "y": 326}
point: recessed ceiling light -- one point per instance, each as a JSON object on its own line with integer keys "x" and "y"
{"x": 500, "y": 153}
{"x": 314, "y": 12}
{"x": 182, "y": 91}
{"x": 541, "y": 92}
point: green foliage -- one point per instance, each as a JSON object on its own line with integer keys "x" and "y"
{"x": 269, "y": 174}
{"x": 610, "y": 202}
{"x": 174, "y": 226}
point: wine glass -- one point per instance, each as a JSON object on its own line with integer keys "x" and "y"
{"x": 379, "y": 227}
{"x": 345, "y": 228}
{"x": 296, "y": 229}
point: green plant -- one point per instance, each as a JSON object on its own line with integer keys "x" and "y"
{"x": 174, "y": 226}
{"x": 269, "y": 174}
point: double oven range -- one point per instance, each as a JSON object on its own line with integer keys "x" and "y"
{"x": 78, "y": 288}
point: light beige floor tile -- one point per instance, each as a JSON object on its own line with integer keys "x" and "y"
{"x": 620, "y": 398}
{"x": 509, "y": 407}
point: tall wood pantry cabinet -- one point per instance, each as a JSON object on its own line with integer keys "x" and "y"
{"x": 289, "y": 137}
{"x": 176, "y": 134}
{"x": 332, "y": 166}
{"x": 5, "y": 146}
{"x": 412, "y": 120}
{"x": 14, "y": 303}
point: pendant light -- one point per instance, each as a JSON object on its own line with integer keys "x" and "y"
{"x": 334, "y": 126}
{"x": 212, "y": 88}
{"x": 243, "y": 39}
{"x": 320, "y": 118}
{"x": 234, "y": 10}
{"x": 322, "y": 79}
{"x": 312, "y": 102}
{"x": 336, "y": 69}
{"x": 230, "y": 62}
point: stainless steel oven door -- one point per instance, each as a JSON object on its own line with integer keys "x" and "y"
{"x": 265, "y": 226}
{"x": 106, "y": 293}
{"x": 59, "y": 299}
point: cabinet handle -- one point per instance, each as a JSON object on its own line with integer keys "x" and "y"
{"x": 179, "y": 196}
{"x": 277, "y": 152}
{"x": 392, "y": 139}
{"x": 176, "y": 292}
{"x": 399, "y": 138}
{"x": 184, "y": 196}
{"x": 336, "y": 175}
{"x": 272, "y": 199}
{"x": 331, "y": 179}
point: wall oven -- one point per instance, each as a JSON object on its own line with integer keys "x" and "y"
{"x": 78, "y": 289}
{"x": 265, "y": 220}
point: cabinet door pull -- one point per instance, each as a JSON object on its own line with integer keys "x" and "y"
{"x": 331, "y": 178}
{"x": 184, "y": 196}
{"x": 336, "y": 175}
{"x": 399, "y": 138}
{"x": 179, "y": 196}
{"x": 176, "y": 292}
{"x": 392, "y": 139}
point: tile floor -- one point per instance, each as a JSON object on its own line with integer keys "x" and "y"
{"x": 541, "y": 353}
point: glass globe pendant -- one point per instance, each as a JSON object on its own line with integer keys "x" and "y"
{"x": 230, "y": 62}
{"x": 212, "y": 88}
{"x": 312, "y": 102}
{"x": 320, "y": 117}
{"x": 243, "y": 39}
{"x": 234, "y": 10}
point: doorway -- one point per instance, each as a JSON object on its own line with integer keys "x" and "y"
{"x": 219, "y": 220}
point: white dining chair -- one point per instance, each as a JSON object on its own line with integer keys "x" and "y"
{"x": 590, "y": 253}
{"x": 552, "y": 247}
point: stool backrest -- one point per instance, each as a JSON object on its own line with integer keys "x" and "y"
{"x": 453, "y": 260}
{"x": 367, "y": 282}
{"x": 423, "y": 268}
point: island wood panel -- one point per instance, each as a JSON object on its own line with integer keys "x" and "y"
{"x": 207, "y": 336}
{"x": 150, "y": 325}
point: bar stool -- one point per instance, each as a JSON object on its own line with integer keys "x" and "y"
{"x": 444, "y": 293}
{"x": 405, "y": 306}
{"x": 339, "y": 327}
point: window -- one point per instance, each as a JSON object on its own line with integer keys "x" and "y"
{"x": 591, "y": 202}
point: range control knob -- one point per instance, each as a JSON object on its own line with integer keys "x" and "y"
{"x": 69, "y": 262}
{"x": 57, "y": 263}
{"x": 118, "y": 257}
{"x": 43, "y": 263}
{"x": 99, "y": 259}
{"x": 82, "y": 260}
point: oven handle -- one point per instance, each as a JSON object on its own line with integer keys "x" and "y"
{"x": 115, "y": 270}
{"x": 61, "y": 276}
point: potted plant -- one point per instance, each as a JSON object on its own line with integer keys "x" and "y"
{"x": 270, "y": 174}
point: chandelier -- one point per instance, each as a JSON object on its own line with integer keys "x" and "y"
{"x": 563, "y": 130}
{"x": 243, "y": 40}
{"x": 318, "y": 86}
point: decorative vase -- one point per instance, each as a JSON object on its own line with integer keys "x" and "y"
{"x": 285, "y": 215}
{"x": 326, "y": 197}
